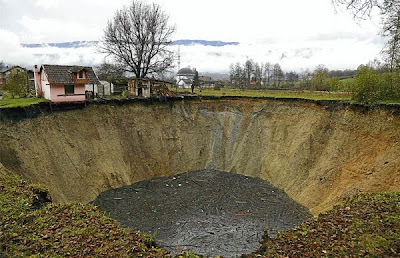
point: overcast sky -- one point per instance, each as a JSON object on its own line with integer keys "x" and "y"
{"x": 297, "y": 34}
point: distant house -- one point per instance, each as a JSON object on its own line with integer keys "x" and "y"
{"x": 185, "y": 77}
{"x": 5, "y": 72}
{"x": 147, "y": 87}
{"x": 206, "y": 82}
{"x": 65, "y": 83}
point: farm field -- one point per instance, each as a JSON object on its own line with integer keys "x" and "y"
{"x": 316, "y": 95}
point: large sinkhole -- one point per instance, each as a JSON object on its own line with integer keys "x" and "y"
{"x": 315, "y": 153}
{"x": 208, "y": 212}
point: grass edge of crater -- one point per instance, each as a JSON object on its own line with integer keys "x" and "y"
{"x": 366, "y": 224}
{"x": 32, "y": 225}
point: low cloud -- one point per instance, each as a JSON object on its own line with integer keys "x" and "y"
{"x": 338, "y": 54}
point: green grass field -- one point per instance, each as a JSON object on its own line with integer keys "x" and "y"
{"x": 272, "y": 93}
{"x": 20, "y": 102}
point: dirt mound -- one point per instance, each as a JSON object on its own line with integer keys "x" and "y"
{"x": 207, "y": 212}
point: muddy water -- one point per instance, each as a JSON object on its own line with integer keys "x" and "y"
{"x": 207, "y": 212}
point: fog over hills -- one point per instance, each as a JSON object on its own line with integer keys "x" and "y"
{"x": 209, "y": 57}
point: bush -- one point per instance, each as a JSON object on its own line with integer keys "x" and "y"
{"x": 17, "y": 85}
{"x": 391, "y": 86}
{"x": 367, "y": 86}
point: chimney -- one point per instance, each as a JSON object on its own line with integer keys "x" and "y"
{"x": 38, "y": 82}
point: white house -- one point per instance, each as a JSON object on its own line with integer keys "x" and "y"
{"x": 185, "y": 77}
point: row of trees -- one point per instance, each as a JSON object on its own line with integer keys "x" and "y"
{"x": 253, "y": 73}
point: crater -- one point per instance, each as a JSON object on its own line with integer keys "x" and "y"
{"x": 208, "y": 212}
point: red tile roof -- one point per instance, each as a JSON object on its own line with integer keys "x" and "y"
{"x": 66, "y": 74}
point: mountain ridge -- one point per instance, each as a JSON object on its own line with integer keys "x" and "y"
{"x": 181, "y": 42}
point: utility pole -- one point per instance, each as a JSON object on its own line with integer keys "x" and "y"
{"x": 179, "y": 57}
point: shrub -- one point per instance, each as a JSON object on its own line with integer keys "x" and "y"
{"x": 367, "y": 86}
{"x": 17, "y": 84}
{"x": 391, "y": 85}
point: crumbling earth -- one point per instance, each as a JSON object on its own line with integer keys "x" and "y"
{"x": 207, "y": 212}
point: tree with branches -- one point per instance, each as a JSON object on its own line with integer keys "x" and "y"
{"x": 138, "y": 38}
{"x": 107, "y": 71}
{"x": 390, "y": 14}
{"x": 362, "y": 9}
{"x": 249, "y": 70}
{"x": 391, "y": 30}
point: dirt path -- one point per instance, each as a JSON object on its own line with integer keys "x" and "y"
{"x": 207, "y": 212}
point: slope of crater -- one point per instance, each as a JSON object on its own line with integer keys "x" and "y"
{"x": 317, "y": 154}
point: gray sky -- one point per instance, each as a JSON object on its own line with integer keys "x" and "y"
{"x": 297, "y": 34}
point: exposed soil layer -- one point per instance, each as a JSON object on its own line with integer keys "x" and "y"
{"x": 207, "y": 211}
{"x": 318, "y": 152}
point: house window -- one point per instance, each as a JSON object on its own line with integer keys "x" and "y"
{"x": 69, "y": 89}
{"x": 80, "y": 75}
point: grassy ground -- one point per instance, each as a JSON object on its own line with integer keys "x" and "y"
{"x": 20, "y": 102}
{"x": 272, "y": 93}
{"x": 365, "y": 225}
{"x": 30, "y": 226}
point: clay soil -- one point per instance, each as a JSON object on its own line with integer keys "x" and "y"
{"x": 207, "y": 212}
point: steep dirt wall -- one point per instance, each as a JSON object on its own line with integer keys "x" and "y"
{"x": 317, "y": 155}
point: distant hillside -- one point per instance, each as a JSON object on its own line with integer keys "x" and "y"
{"x": 73, "y": 44}
{"x": 189, "y": 42}
{"x": 216, "y": 76}
{"x": 79, "y": 44}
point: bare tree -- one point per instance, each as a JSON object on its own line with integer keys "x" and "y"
{"x": 359, "y": 8}
{"x": 138, "y": 38}
{"x": 321, "y": 68}
{"x": 390, "y": 15}
{"x": 107, "y": 71}
{"x": 391, "y": 30}
{"x": 240, "y": 75}
{"x": 257, "y": 73}
{"x": 267, "y": 73}
{"x": 249, "y": 69}
{"x": 277, "y": 74}
{"x": 362, "y": 9}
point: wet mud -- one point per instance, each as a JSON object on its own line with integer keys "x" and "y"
{"x": 207, "y": 212}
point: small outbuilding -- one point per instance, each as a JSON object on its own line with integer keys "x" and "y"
{"x": 147, "y": 87}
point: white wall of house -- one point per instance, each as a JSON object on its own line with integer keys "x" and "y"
{"x": 107, "y": 88}
{"x": 89, "y": 87}
{"x": 181, "y": 83}
{"x": 45, "y": 86}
